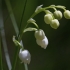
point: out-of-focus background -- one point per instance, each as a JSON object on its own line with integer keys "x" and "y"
{"x": 57, "y": 55}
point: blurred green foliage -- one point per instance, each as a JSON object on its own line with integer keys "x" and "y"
{"x": 57, "y": 54}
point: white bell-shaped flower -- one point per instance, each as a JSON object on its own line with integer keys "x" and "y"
{"x": 24, "y": 56}
{"x": 39, "y": 34}
{"x": 43, "y": 43}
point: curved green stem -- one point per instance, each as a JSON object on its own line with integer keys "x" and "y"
{"x": 49, "y": 8}
{"x": 22, "y": 17}
{"x": 60, "y": 8}
{"x": 41, "y": 10}
{"x": 54, "y": 7}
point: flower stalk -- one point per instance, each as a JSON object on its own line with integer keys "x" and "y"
{"x": 41, "y": 39}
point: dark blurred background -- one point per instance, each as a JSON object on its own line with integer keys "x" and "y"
{"x": 57, "y": 55}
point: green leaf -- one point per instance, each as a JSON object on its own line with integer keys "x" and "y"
{"x": 30, "y": 29}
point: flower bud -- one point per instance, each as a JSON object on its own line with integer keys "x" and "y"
{"x": 24, "y": 56}
{"x": 67, "y": 14}
{"x": 48, "y": 18}
{"x": 54, "y": 24}
{"x": 38, "y": 8}
{"x": 43, "y": 43}
{"x": 58, "y": 14}
{"x": 39, "y": 34}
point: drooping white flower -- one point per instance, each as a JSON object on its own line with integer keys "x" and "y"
{"x": 24, "y": 56}
{"x": 67, "y": 14}
{"x": 43, "y": 43}
{"x": 39, "y": 34}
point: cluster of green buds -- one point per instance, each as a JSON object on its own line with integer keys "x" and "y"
{"x": 51, "y": 18}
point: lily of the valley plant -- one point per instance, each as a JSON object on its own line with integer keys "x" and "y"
{"x": 50, "y": 18}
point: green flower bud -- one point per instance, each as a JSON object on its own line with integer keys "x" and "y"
{"x": 48, "y": 18}
{"x": 54, "y": 24}
{"x": 58, "y": 14}
{"x": 24, "y": 56}
{"x": 67, "y": 14}
{"x": 39, "y": 34}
